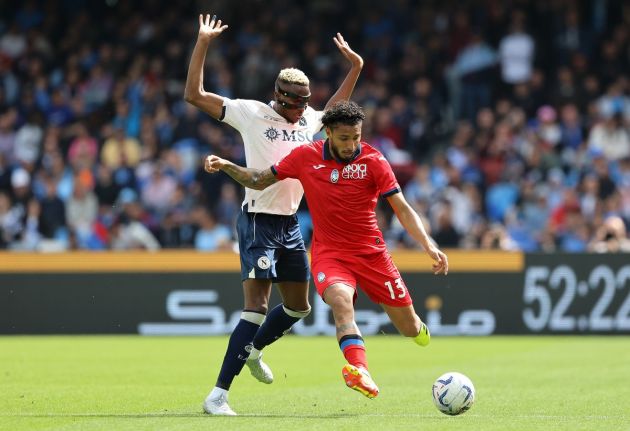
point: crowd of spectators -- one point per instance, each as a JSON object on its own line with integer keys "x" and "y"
{"x": 507, "y": 122}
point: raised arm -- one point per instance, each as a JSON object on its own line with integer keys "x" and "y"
{"x": 256, "y": 179}
{"x": 412, "y": 223}
{"x": 347, "y": 86}
{"x": 210, "y": 103}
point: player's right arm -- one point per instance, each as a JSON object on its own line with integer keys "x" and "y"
{"x": 257, "y": 179}
{"x": 413, "y": 224}
{"x": 210, "y": 103}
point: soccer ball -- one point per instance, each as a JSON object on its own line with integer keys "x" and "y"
{"x": 453, "y": 393}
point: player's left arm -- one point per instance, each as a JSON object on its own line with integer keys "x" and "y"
{"x": 257, "y": 179}
{"x": 347, "y": 86}
{"x": 413, "y": 224}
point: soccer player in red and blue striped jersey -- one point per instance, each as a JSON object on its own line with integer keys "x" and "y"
{"x": 342, "y": 179}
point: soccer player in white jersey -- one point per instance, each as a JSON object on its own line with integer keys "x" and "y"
{"x": 270, "y": 243}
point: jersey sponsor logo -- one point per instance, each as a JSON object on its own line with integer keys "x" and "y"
{"x": 321, "y": 277}
{"x": 302, "y": 121}
{"x": 297, "y": 136}
{"x": 334, "y": 176}
{"x": 354, "y": 171}
{"x": 263, "y": 262}
{"x": 272, "y": 134}
{"x": 318, "y": 166}
{"x": 288, "y": 135}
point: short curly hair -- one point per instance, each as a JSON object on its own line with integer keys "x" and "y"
{"x": 345, "y": 112}
{"x": 293, "y": 76}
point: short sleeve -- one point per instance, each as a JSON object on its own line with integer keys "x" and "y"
{"x": 237, "y": 113}
{"x": 385, "y": 179}
{"x": 314, "y": 120}
{"x": 291, "y": 165}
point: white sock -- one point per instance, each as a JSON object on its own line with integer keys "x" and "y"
{"x": 218, "y": 392}
{"x": 254, "y": 354}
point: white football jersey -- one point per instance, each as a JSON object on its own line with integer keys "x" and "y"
{"x": 268, "y": 137}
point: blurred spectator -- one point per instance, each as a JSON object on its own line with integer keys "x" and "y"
{"x": 496, "y": 238}
{"x": 229, "y": 204}
{"x": 53, "y": 212}
{"x": 611, "y": 138}
{"x": 83, "y": 149}
{"x": 21, "y": 191}
{"x": 158, "y": 190}
{"x": 210, "y": 236}
{"x": 81, "y": 208}
{"x": 444, "y": 232}
{"x": 130, "y": 234}
{"x": 611, "y": 237}
{"x": 516, "y": 52}
{"x": 120, "y": 150}
{"x": 547, "y": 129}
{"x": 571, "y": 131}
{"x": 10, "y": 221}
{"x": 28, "y": 140}
{"x": 31, "y": 235}
{"x": 474, "y": 69}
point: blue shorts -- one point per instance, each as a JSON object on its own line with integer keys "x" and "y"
{"x": 271, "y": 247}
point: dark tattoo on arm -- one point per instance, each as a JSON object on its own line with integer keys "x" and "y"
{"x": 251, "y": 178}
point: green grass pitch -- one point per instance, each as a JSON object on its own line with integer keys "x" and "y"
{"x": 144, "y": 383}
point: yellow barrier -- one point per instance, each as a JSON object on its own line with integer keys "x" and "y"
{"x": 191, "y": 261}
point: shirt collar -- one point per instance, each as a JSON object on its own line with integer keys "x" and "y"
{"x": 327, "y": 154}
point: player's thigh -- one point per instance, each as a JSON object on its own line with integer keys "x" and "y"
{"x": 404, "y": 319}
{"x": 291, "y": 263}
{"x": 294, "y": 294}
{"x": 379, "y": 278}
{"x": 256, "y": 294}
{"x": 340, "y": 297}
{"x": 256, "y": 243}
{"x": 329, "y": 271}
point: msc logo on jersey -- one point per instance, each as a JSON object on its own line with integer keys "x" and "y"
{"x": 288, "y": 136}
{"x": 272, "y": 134}
{"x": 334, "y": 176}
{"x": 302, "y": 122}
{"x": 355, "y": 171}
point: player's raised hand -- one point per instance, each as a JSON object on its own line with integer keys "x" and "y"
{"x": 213, "y": 164}
{"x": 210, "y": 27}
{"x": 440, "y": 266}
{"x": 354, "y": 58}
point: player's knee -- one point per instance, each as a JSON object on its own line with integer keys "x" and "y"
{"x": 339, "y": 300}
{"x": 298, "y": 314}
{"x": 297, "y": 304}
{"x": 259, "y": 304}
{"x": 261, "y": 308}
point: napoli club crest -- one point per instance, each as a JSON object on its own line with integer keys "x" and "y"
{"x": 334, "y": 176}
{"x": 264, "y": 263}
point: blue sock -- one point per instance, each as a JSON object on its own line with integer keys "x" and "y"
{"x": 278, "y": 322}
{"x": 235, "y": 356}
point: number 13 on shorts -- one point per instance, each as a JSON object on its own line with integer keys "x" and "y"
{"x": 400, "y": 291}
